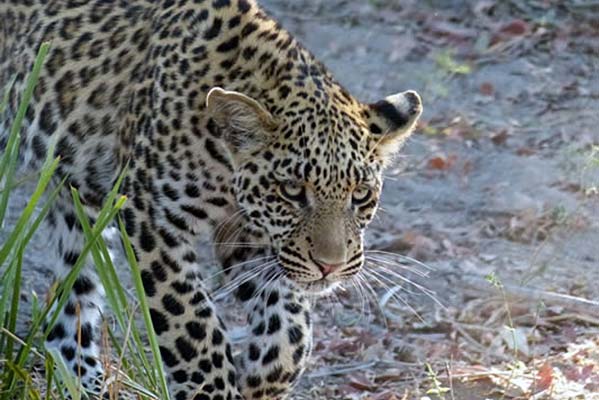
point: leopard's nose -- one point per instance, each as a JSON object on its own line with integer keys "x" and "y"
{"x": 328, "y": 268}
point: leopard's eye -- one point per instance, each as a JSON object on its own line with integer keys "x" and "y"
{"x": 294, "y": 192}
{"x": 361, "y": 195}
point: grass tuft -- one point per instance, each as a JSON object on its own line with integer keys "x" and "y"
{"x": 26, "y": 370}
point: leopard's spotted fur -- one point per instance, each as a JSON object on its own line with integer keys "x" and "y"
{"x": 281, "y": 160}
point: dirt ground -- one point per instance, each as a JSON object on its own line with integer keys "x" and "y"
{"x": 497, "y": 196}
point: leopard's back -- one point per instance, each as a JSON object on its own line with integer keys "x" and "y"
{"x": 81, "y": 102}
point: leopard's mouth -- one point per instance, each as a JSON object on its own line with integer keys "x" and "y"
{"x": 315, "y": 287}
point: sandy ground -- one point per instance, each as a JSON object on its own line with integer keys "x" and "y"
{"x": 496, "y": 195}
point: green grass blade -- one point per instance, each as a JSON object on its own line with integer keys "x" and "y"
{"x": 115, "y": 294}
{"x": 49, "y": 368}
{"x": 61, "y": 297}
{"x": 8, "y": 162}
{"x": 26, "y": 378}
{"x": 19, "y": 228}
{"x": 8, "y": 165}
{"x": 145, "y": 309}
{"x": 7, "y": 279}
{"x": 6, "y": 95}
{"x": 111, "y": 282}
{"x": 18, "y": 240}
{"x": 34, "y": 226}
{"x": 14, "y": 308}
{"x": 67, "y": 284}
{"x": 64, "y": 289}
{"x": 14, "y": 277}
{"x": 5, "y": 298}
{"x": 65, "y": 375}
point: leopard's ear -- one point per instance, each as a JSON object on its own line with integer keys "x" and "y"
{"x": 243, "y": 121}
{"x": 392, "y": 120}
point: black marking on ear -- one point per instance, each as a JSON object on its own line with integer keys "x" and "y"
{"x": 391, "y": 114}
{"x": 375, "y": 129}
{"x": 414, "y": 102}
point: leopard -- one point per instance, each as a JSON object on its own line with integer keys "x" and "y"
{"x": 224, "y": 128}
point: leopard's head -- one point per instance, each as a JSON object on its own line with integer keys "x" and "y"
{"x": 308, "y": 171}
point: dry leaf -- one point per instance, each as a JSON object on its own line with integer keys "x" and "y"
{"x": 545, "y": 378}
{"x": 516, "y": 27}
{"x": 487, "y": 88}
{"x": 360, "y": 382}
{"x": 525, "y": 151}
{"x": 500, "y": 138}
{"x": 441, "y": 163}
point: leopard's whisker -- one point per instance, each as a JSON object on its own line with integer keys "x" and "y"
{"x": 241, "y": 279}
{"x": 395, "y": 264}
{"x": 230, "y": 268}
{"x": 250, "y": 274}
{"x": 398, "y": 275}
{"x": 227, "y": 288}
{"x": 269, "y": 280}
{"x": 364, "y": 294}
{"x": 338, "y": 303}
{"x": 224, "y": 224}
{"x": 335, "y": 303}
{"x": 428, "y": 292}
{"x": 327, "y": 297}
{"x": 401, "y": 300}
{"x": 360, "y": 294}
{"x": 378, "y": 266}
{"x": 368, "y": 289}
{"x": 401, "y": 257}
{"x": 335, "y": 297}
{"x": 239, "y": 244}
{"x": 384, "y": 284}
{"x": 231, "y": 232}
{"x": 404, "y": 288}
{"x": 229, "y": 235}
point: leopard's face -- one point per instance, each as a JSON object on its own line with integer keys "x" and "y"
{"x": 313, "y": 204}
{"x": 312, "y": 181}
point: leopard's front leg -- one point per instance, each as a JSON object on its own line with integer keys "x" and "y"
{"x": 193, "y": 343}
{"x": 279, "y": 328}
{"x": 279, "y": 343}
